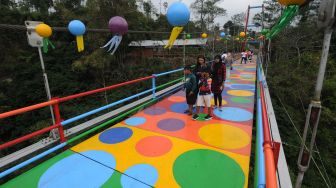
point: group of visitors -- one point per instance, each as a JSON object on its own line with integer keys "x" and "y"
{"x": 205, "y": 80}
{"x": 246, "y": 56}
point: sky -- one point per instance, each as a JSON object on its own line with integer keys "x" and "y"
{"x": 232, "y": 7}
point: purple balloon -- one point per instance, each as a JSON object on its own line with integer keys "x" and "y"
{"x": 118, "y": 25}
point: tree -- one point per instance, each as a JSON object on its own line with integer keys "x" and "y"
{"x": 207, "y": 11}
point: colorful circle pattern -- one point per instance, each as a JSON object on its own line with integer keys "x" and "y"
{"x": 115, "y": 135}
{"x": 190, "y": 168}
{"x": 233, "y": 114}
{"x": 154, "y": 146}
{"x": 224, "y": 136}
{"x": 135, "y": 121}
{"x": 80, "y": 171}
{"x": 171, "y": 124}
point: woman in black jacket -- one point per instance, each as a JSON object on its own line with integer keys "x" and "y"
{"x": 218, "y": 79}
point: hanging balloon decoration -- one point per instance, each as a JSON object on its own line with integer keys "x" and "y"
{"x": 204, "y": 35}
{"x": 119, "y": 26}
{"x": 45, "y": 31}
{"x": 264, "y": 31}
{"x": 242, "y": 34}
{"x": 222, "y": 34}
{"x": 188, "y": 36}
{"x": 291, "y": 2}
{"x": 77, "y": 28}
{"x": 178, "y": 15}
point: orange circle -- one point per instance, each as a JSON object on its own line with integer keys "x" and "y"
{"x": 154, "y": 146}
{"x": 177, "y": 99}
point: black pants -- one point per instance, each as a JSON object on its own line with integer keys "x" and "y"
{"x": 219, "y": 97}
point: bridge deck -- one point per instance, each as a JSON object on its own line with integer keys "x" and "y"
{"x": 162, "y": 147}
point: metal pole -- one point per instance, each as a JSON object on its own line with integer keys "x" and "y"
{"x": 245, "y": 30}
{"x": 46, "y": 85}
{"x": 313, "y": 114}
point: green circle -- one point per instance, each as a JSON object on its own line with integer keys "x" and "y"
{"x": 207, "y": 168}
{"x": 201, "y": 117}
{"x": 241, "y": 100}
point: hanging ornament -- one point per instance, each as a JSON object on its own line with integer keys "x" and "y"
{"x": 204, "y": 35}
{"x": 222, "y": 34}
{"x": 291, "y": 2}
{"x": 119, "y": 26}
{"x": 45, "y": 31}
{"x": 77, "y": 28}
{"x": 264, "y": 31}
{"x": 178, "y": 15}
{"x": 242, "y": 34}
{"x": 188, "y": 36}
{"x": 237, "y": 39}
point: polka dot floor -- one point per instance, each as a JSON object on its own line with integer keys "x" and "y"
{"x": 162, "y": 147}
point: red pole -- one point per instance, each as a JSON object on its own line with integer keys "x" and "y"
{"x": 58, "y": 120}
{"x": 271, "y": 180}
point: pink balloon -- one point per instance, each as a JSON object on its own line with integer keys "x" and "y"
{"x": 118, "y": 25}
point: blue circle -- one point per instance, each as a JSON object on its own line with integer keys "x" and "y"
{"x": 135, "y": 121}
{"x": 79, "y": 171}
{"x": 142, "y": 172}
{"x": 233, "y": 114}
{"x": 249, "y": 69}
{"x": 76, "y": 27}
{"x": 247, "y": 75}
{"x": 178, "y": 14}
{"x": 180, "y": 107}
{"x": 242, "y": 86}
{"x": 155, "y": 111}
{"x": 115, "y": 135}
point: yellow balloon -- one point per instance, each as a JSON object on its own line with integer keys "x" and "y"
{"x": 43, "y": 30}
{"x": 291, "y": 2}
{"x": 204, "y": 35}
{"x": 242, "y": 34}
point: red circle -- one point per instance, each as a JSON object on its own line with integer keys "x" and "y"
{"x": 176, "y": 99}
{"x": 154, "y": 146}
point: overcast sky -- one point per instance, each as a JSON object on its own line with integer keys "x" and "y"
{"x": 232, "y": 7}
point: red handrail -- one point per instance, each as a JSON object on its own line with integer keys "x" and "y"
{"x": 271, "y": 181}
{"x": 28, "y": 136}
{"x": 63, "y": 99}
{"x": 55, "y": 103}
{"x": 26, "y": 109}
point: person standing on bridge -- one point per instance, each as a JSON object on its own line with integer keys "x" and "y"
{"x": 204, "y": 96}
{"x": 218, "y": 80}
{"x": 191, "y": 89}
{"x": 201, "y": 67}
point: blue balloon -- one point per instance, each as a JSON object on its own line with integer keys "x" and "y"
{"x": 222, "y": 34}
{"x": 178, "y": 14}
{"x": 76, "y": 27}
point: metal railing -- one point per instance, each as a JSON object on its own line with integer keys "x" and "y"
{"x": 59, "y": 124}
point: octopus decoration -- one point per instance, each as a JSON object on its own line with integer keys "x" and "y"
{"x": 119, "y": 26}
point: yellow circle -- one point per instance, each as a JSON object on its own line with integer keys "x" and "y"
{"x": 43, "y": 30}
{"x": 224, "y": 136}
{"x": 240, "y": 93}
{"x": 242, "y": 34}
{"x": 223, "y": 102}
{"x": 204, "y": 35}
